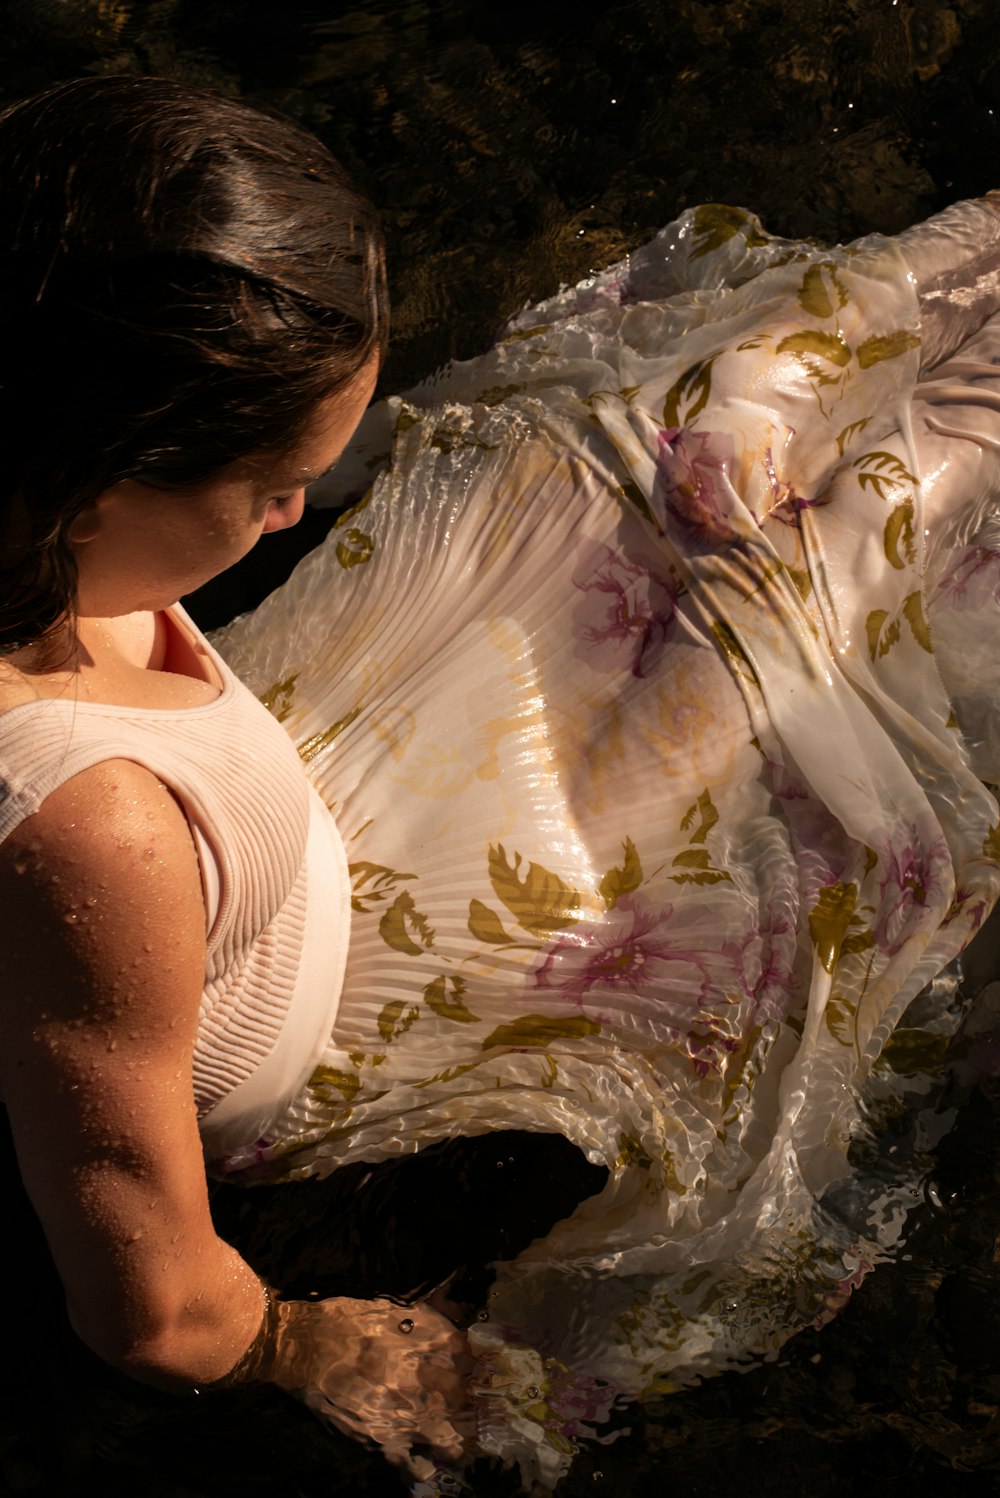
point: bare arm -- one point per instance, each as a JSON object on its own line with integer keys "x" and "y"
{"x": 102, "y": 958}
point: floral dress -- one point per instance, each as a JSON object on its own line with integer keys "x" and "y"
{"x": 652, "y": 685}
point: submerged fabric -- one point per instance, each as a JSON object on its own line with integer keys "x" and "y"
{"x": 643, "y": 686}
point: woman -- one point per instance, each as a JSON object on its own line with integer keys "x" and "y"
{"x": 194, "y": 316}
{"x": 636, "y": 687}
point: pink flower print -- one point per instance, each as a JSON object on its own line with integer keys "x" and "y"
{"x": 972, "y": 581}
{"x": 823, "y": 853}
{"x": 630, "y": 951}
{"x": 913, "y": 883}
{"x": 763, "y": 960}
{"x": 609, "y": 290}
{"x": 708, "y": 1043}
{"x": 969, "y": 905}
{"x": 692, "y": 482}
{"x": 578, "y": 1402}
{"x": 625, "y": 614}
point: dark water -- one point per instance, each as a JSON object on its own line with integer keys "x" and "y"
{"x": 512, "y": 147}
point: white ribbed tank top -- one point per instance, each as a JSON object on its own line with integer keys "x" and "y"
{"x": 274, "y": 874}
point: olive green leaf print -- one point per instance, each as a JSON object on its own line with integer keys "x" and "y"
{"x": 540, "y": 902}
{"x": 694, "y": 864}
{"x": 704, "y": 809}
{"x": 521, "y": 335}
{"x": 688, "y": 395}
{"x": 714, "y": 223}
{"x": 371, "y": 883}
{"x": 631, "y": 1152}
{"x": 991, "y": 846}
{"x": 886, "y": 346}
{"x": 853, "y": 429}
{"x": 541, "y": 1030}
{"x": 822, "y": 292}
{"x": 829, "y": 920}
{"x": 403, "y": 928}
{"x": 881, "y": 636}
{"x": 355, "y": 548}
{"x": 630, "y": 494}
{"x": 444, "y": 996}
{"x": 486, "y": 925}
{"x": 623, "y": 880}
{"x": 407, "y": 417}
{"x": 839, "y": 1016}
{"x": 449, "y": 1074}
{"x": 900, "y": 533}
{"x": 884, "y": 631}
{"x": 346, "y": 1083}
{"x": 859, "y": 940}
{"x": 913, "y": 611}
{"x": 310, "y": 747}
{"x": 801, "y": 581}
{"x": 739, "y": 662}
{"x": 812, "y": 344}
{"x": 911, "y": 1053}
{"x": 883, "y": 472}
{"x": 395, "y": 1019}
{"x": 278, "y": 699}
{"x": 626, "y": 393}
{"x": 697, "y": 868}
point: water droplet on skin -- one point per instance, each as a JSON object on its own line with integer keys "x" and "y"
{"x": 406, "y": 1326}
{"x": 532, "y": 1391}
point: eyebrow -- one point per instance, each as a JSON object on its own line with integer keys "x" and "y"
{"x": 306, "y": 476}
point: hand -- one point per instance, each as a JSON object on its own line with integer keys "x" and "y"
{"x": 396, "y": 1375}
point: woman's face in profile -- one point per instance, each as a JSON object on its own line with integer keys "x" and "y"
{"x": 139, "y": 547}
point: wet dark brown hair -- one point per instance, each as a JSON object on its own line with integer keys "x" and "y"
{"x": 182, "y": 281}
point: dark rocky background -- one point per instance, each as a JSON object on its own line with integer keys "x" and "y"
{"x": 511, "y": 147}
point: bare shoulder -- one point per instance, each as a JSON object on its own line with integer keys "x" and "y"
{"x": 99, "y": 891}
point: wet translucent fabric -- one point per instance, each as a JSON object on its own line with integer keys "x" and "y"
{"x": 643, "y": 685}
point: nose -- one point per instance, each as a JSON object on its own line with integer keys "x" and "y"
{"x": 286, "y": 512}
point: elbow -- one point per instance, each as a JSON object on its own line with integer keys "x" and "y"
{"x": 172, "y": 1351}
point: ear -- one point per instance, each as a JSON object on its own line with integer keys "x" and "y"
{"x": 86, "y": 525}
